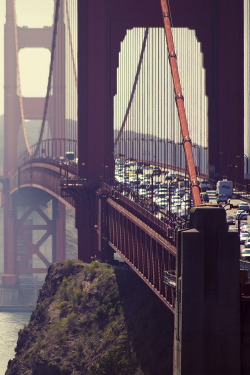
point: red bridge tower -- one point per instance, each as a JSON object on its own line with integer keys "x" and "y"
{"x": 20, "y": 244}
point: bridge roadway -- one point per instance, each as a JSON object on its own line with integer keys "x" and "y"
{"x": 45, "y": 174}
{"x": 153, "y": 253}
{"x": 130, "y": 227}
{"x": 140, "y": 238}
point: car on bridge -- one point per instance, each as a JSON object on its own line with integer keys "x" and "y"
{"x": 230, "y": 220}
{"x": 244, "y": 207}
{"x": 163, "y": 203}
{"x": 245, "y": 229}
{"x": 204, "y": 197}
{"x": 246, "y": 255}
{"x": 222, "y": 198}
{"x": 247, "y": 243}
{"x": 69, "y": 155}
{"x": 241, "y": 215}
{"x": 156, "y": 171}
{"x": 245, "y": 226}
{"x": 205, "y": 185}
{"x": 244, "y": 236}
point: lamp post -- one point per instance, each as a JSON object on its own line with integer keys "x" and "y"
{"x": 169, "y": 195}
{"x": 137, "y": 184}
{"x": 152, "y": 191}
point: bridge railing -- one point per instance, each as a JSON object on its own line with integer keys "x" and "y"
{"x": 141, "y": 239}
{"x": 53, "y": 148}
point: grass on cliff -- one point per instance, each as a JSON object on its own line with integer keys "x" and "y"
{"x": 94, "y": 320}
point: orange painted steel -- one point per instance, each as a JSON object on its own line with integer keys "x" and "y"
{"x": 187, "y": 143}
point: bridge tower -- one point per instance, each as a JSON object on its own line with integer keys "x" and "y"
{"x": 33, "y": 110}
{"x": 98, "y": 52}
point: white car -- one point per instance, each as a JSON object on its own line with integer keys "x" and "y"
{"x": 244, "y": 237}
{"x": 247, "y": 242}
{"x": 245, "y": 250}
{"x": 246, "y": 255}
{"x": 245, "y": 227}
{"x": 163, "y": 203}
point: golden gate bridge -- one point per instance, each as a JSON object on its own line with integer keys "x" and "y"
{"x": 119, "y": 102}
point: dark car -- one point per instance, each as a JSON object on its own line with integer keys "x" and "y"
{"x": 156, "y": 171}
{"x": 230, "y": 220}
{"x": 204, "y": 197}
{"x": 205, "y": 185}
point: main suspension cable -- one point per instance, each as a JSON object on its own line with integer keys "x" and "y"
{"x": 57, "y": 5}
{"x": 186, "y": 140}
{"x": 19, "y": 90}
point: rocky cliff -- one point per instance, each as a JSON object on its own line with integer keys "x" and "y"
{"x": 94, "y": 319}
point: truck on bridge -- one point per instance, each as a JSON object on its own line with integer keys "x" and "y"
{"x": 224, "y": 191}
{"x": 224, "y": 187}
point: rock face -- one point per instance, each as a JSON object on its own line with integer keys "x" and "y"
{"x": 94, "y": 319}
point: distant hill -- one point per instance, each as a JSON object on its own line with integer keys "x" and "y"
{"x": 33, "y": 130}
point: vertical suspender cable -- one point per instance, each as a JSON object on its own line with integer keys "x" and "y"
{"x": 71, "y": 45}
{"x": 133, "y": 88}
{"x": 187, "y": 144}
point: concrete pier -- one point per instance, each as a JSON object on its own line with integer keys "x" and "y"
{"x": 207, "y": 318}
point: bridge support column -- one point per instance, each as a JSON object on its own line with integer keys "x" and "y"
{"x": 86, "y": 222}
{"x": 207, "y": 317}
{"x": 59, "y": 231}
{"x": 34, "y": 226}
{"x": 9, "y": 278}
{"x": 104, "y": 250}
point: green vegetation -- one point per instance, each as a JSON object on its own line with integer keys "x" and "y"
{"x": 94, "y": 320}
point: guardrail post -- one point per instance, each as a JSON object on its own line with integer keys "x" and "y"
{"x": 207, "y": 317}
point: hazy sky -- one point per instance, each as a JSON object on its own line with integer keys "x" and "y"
{"x": 31, "y": 13}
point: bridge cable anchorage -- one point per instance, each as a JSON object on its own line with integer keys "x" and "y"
{"x": 134, "y": 86}
{"x": 57, "y": 6}
{"x": 180, "y": 104}
{"x": 71, "y": 44}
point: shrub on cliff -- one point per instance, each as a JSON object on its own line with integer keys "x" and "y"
{"x": 94, "y": 320}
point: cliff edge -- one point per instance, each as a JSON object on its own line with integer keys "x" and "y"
{"x": 94, "y": 319}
